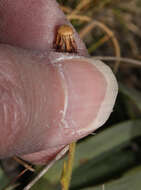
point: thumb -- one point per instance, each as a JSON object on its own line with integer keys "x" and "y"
{"x": 90, "y": 92}
{"x": 47, "y": 103}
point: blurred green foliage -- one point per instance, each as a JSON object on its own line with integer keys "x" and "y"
{"x": 3, "y": 179}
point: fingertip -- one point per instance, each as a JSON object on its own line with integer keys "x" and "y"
{"x": 92, "y": 91}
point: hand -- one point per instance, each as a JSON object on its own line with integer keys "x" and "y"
{"x": 47, "y": 99}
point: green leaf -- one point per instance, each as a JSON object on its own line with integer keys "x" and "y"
{"x": 103, "y": 153}
{"x": 106, "y": 166}
{"x": 132, "y": 94}
{"x": 130, "y": 181}
{"x": 118, "y": 135}
{"x": 3, "y": 179}
{"x": 43, "y": 184}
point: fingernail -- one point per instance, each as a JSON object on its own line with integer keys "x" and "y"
{"x": 92, "y": 89}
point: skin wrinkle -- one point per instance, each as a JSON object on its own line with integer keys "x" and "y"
{"x": 10, "y": 102}
{"x": 17, "y": 102}
{"x": 23, "y": 87}
{"x": 28, "y": 76}
{"x": 11, "y": 128}
{"x": 5, "y": 113}
{"x": 7, "y": 74}
{"x": 33, "y": 106}
{"x": 63, "y": 112}
{"x": 37, "y": 34}
{"x": 38, "y": 108}
{"x": 19, "y": 86}
{"x": 63, "y": 123}
{"x": 18, "y": 114}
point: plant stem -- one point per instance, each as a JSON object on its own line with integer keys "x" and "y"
{"x": 67, "y": 169}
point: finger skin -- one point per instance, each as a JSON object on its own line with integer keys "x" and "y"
{"x": 34, "y": 28}
{"x": 32, "y": 24}
{"x": 41, "y": 101}
{"x": 32, "y": 95}
{"x": 47, "y": 99}
{"x": 82, "y": 116}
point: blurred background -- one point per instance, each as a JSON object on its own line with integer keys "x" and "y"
{"x": 109, "y": 159}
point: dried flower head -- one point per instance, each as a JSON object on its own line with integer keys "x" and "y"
{"x": 65, "y": 40}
